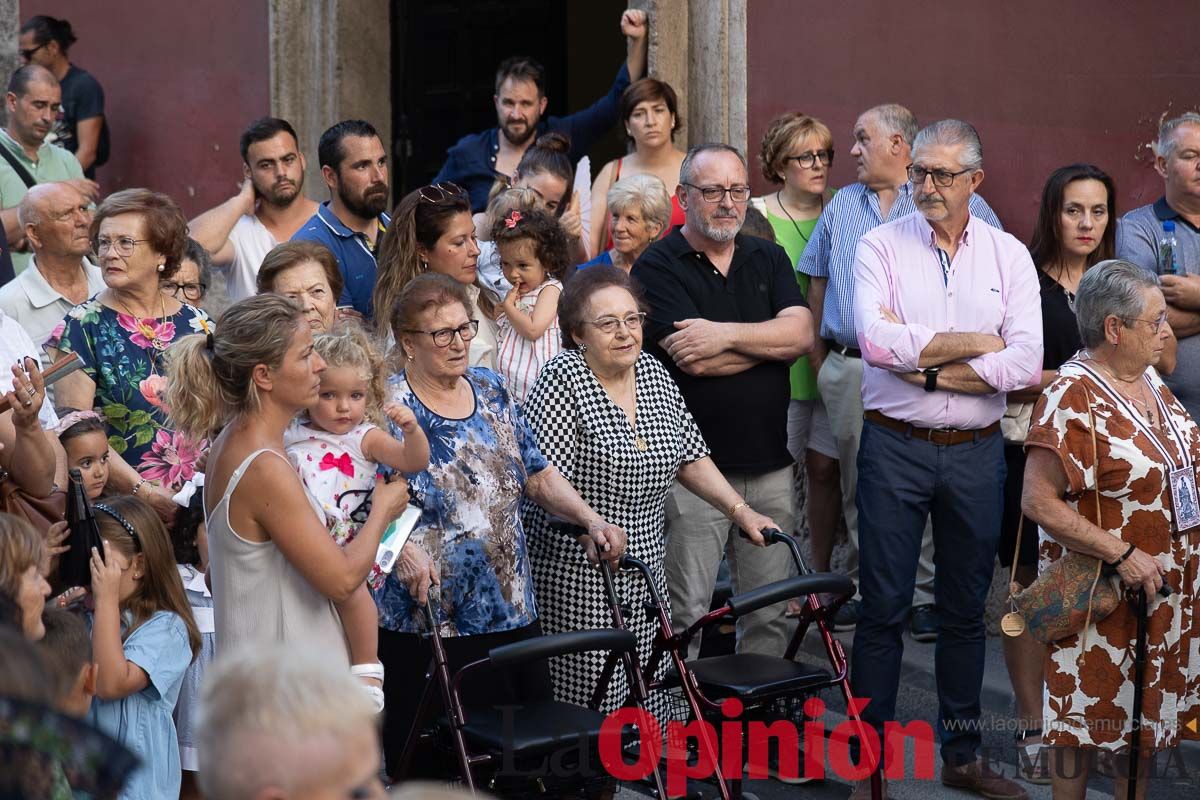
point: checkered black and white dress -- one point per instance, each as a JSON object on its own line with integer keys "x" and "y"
{"x": 590, "y": 440}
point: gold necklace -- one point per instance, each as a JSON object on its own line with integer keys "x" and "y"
{"x": 1145, "y": 406}
{"x": 162, "y": 320}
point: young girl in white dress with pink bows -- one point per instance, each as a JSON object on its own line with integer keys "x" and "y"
{"x": 336, "y": 446}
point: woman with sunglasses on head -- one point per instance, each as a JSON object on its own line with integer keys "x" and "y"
{"x": 469, "y": 540}
{"x": 432, "y": 231}
{"x": 122, "y": 335}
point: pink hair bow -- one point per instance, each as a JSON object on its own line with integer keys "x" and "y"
{"x": 513, "y": 219}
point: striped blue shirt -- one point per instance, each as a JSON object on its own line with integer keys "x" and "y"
{"x": 853, "y": 211}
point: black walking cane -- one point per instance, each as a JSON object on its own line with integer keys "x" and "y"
{"x": 1139, "y": 677}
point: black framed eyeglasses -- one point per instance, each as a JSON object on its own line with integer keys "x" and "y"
{"x": 941, "y": 177}
{"x": 444, "y": 336}
{"x": 713, "y": 194}
{"x": 442, "y": 192}
{"x": 192, "y": 291}
{"x": 806, "y": 160}
{"x": 632, "y": 322}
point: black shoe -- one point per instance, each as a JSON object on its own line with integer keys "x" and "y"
{"x": 846, "y": 618}
{"x": 923, "y": 624}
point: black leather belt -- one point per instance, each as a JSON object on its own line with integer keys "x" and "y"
{"x": 841, "y": 349}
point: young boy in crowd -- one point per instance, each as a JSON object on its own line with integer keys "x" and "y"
{"x": 67, "y": 649}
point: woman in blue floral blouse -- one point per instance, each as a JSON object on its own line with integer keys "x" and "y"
{"x": 121, "y": 335}
{"x": 469, "y": 541}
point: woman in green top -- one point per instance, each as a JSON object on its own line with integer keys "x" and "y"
{"x": 797, "y": 151}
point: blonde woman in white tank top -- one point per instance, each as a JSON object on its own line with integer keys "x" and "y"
{"x": 274, "y": 569}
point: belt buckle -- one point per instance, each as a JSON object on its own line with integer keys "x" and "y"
{"x": 948, "y": 433}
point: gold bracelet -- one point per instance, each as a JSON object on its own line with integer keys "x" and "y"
{"x": 737, "y": 507}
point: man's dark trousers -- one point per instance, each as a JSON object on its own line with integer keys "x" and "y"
{"x": 901, "y": 480}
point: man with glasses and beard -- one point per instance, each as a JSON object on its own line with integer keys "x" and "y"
{"x": 727, "y": 319}
{"x": 948, "y": 320}
{"x": 351, "y": 224}
{"x": 269, "y": 208}
{"x": 478, "y": 159}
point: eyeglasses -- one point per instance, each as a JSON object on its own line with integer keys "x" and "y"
{"x": 124, "y": 245}
{"x": 941, "y": 177}
{"x": 441, "y": 192}
{"x": 806, "y": 160}
{"x": 632, "y": 322}
{"x": 28, "y": 54}
{"x": 444, "y": 336}
{"x": 192, "y": 291}
{"x": 1156, "y": 325}
{"x": 713, "y": 194}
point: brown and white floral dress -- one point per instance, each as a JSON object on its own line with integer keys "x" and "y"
{"x": 1089, "y": 678}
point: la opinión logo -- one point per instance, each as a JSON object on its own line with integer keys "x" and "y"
{"x": 821, "y": 752}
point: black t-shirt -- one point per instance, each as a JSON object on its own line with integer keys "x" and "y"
{"x": 82, "y": 98}
{"x": 743, "y": 417}
{"x": 1060, "y": 331}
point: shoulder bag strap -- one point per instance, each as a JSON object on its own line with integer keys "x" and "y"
{"x": 18, "y": 167}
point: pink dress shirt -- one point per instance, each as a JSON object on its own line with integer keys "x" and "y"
{"x": 992, "y": 287}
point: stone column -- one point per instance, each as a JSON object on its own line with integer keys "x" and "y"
{"x": 10, "y": 22}
{"x": 330, "y": 60}
{"x": 699, "y": 47}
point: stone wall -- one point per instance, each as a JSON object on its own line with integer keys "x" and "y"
{"x": 330, "y": 60}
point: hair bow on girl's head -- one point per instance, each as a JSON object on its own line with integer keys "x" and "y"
{"x": 513, "y": 219}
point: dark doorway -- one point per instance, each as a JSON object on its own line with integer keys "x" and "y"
{"x": 444, "y": 56}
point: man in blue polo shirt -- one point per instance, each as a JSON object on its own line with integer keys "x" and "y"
{"x": 478, "y": 159}
{"x": 352, "y": 222}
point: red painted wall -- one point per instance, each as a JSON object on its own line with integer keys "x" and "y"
{"x": 181, "y": 80}
{"x": 1046, "y": 84}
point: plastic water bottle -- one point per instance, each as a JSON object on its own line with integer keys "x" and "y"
{"x": 1168, "y": 248}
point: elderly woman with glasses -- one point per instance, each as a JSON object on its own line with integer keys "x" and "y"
{"x": 469, "y": 540}
{"x": 432, "y": 231}
{"x": 121, "y": 335}
{"x": 1109, "y": 425}
{"x": 190, "y": 282}
{"x": 612, "y": 421}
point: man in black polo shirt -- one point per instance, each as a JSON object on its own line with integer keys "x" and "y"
{"x": 727, "y": 319}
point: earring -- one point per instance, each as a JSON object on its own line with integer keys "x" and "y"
{"x": 162, "y": 267}
{"x": 582, "y": 347}
{"x": 424, "y": 266}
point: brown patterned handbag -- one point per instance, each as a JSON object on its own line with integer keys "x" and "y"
{"x": 1072, "y": 591}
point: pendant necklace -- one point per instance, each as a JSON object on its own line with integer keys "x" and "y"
{"x": 795, "y": 224}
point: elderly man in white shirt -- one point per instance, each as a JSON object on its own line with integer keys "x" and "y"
{"x": 56, "y": 220}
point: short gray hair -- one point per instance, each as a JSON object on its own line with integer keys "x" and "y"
{"x": 1112, "y": 288}
{"x": 951, "y": 133}
{"x": 685, "y": 169}
{"x": 263, "y": 703}
{"x": 646, "y": 193}
{"x": 1165, "y": 146}
{"x": 895, "y": 118}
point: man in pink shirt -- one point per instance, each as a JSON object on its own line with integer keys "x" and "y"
{"x": 948, "y": 319}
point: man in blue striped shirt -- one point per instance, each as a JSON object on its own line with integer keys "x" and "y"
{"x": 883, "y": 138}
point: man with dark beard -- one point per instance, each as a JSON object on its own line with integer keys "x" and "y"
{"x": 351, "y": 224}
{"x": 269, "y": 208}
{"x": 478, "y": 159}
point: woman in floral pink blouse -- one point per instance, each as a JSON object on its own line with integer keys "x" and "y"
{"x": 121, "y": 335}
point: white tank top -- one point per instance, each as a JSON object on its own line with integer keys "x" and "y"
{"x": 258, "y": 596}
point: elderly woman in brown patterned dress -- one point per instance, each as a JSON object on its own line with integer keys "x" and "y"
{"x": 1146, "y": 445}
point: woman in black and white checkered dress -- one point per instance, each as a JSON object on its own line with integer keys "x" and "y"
{"x": 614, "y": 423}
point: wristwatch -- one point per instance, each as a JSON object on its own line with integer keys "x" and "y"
{"x": 931, "y": 375}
